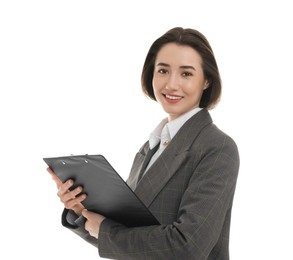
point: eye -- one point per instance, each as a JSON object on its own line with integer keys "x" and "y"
{"x": 162, "y": 71}
{"x": 187, "y": 74}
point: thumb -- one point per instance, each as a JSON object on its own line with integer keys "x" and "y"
{"x": 85, "y": 213}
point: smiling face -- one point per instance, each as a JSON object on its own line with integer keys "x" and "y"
{"x": 178, "y": 80}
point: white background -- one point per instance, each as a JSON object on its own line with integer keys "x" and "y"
{"x": 70, "y": 84}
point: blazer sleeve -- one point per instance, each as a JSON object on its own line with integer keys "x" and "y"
{"x": 202, "y": 214}
{"x": 76, "y": 224}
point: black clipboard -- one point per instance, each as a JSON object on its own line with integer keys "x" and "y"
{"x": 107, "y": 193}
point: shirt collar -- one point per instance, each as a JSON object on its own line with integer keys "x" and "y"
{"x": 172, "y": 127}
{"x": 155, "y": 135}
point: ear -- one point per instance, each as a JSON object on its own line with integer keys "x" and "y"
{"x": 206, "y": 84}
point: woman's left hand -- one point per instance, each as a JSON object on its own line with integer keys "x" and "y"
{"x": 94, "y": 220}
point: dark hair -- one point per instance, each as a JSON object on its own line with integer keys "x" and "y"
{"x": 198, "y": 42}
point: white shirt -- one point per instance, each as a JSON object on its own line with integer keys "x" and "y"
{"x": 165, "y": 132}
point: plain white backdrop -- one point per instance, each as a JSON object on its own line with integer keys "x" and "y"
{"x": 70, "y": 84}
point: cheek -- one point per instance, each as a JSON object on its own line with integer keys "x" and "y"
{"x": 156, "y": 84}
{"x": 154, "y": 81}
{"x": 195, "y": 88}
{"x": 157, "y": 90}
{"x": 157, "y": 93}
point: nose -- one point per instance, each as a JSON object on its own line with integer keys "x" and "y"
{"x": 172, "y": 83}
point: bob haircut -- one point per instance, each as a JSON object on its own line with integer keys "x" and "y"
{"x": 197, "y": 41}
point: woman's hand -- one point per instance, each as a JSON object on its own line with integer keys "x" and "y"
{"x": 70, "y": 198}
{"x": 94, "y": 220}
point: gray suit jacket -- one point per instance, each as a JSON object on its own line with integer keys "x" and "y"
{"x": 190, "y": 190}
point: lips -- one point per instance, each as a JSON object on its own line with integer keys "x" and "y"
{"x": 172, "y": 98}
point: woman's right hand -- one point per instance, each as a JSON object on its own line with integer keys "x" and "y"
{"x": 70, "y": 198}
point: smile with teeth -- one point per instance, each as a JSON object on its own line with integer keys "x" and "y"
{"x": 173, "y": 97}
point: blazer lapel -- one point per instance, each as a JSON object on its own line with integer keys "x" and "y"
{"x": 171, "y": 159}
{"x": 140, "y": 163}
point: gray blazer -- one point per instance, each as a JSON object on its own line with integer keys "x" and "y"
{"x": 190, "y": 190}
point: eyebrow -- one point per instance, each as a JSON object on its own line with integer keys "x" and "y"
{"x": 182, "y": 67}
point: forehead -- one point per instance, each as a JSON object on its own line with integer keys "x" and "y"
{"x": 172, "y": 53}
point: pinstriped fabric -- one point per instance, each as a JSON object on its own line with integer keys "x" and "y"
{"x": 190, "y": 190}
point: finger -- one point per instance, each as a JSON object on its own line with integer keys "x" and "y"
{"x": 53, "y": 174}
{"x": 70, "y": 204}
{"x": 54, "y": 177}
{"x": 50, "y": 170}
{"x": 90, "y": 214}
{"x": 69, "y": 195}
{"x": 64, "y": 188}
{"x": 86, "y": 213}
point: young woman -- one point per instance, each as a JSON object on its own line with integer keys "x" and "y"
{"x": 185, "y": 173}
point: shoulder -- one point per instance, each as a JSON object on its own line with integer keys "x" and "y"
{"x": 207, "y": 137}
{"x": 214, "y": 134}
{"x": 204, "y": 130}
{"x": 212, "y": 139}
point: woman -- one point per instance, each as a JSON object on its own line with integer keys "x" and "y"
{"x": 185, "y": 174}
